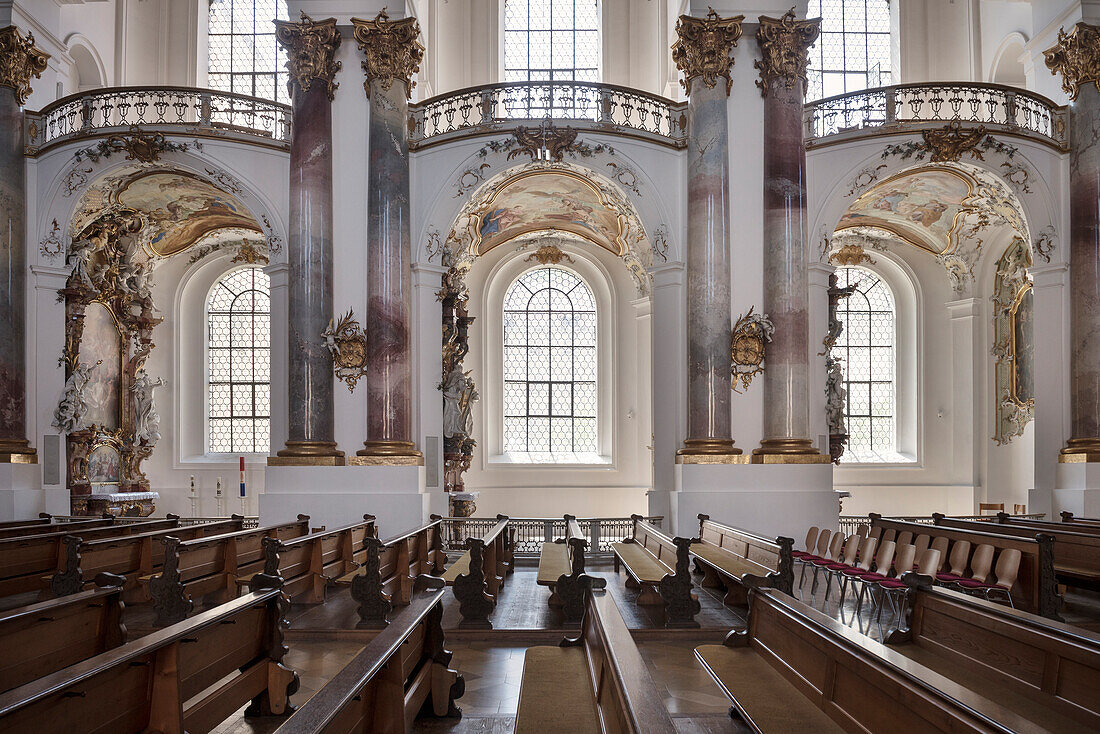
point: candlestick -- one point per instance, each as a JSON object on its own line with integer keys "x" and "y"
{"x": 221, "y": 500}
{"x": 242, "y": 480}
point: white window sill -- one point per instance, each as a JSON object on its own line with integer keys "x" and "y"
{"x": 551, "y": 460}
{"x": 888, "y": 461}
{"x": 250, "y": 460}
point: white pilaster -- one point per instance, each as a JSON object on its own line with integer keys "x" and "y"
{"x": 965, "y": 413}
{"x": 1051, "y": 380}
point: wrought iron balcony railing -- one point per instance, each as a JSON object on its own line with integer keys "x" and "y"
{"x": 583, "y": 105}
{"x": 182, "y": 110}
{"x": 885, "y": 110}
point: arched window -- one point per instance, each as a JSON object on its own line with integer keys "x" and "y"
{"x": 853, "y": 51}
{"x": 238, "y": 358}
{"x": 550, "y": 367}
{"x": 866, "y": 348}
{"x": 551, "y": 40}
{"x": 244, "y": 56}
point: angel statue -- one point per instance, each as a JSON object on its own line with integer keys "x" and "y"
{"x": 69, "y": 415}
{"x": 835, "y": 396}
{"x": 80, "y": 255}
{"x": 146, "y": 418}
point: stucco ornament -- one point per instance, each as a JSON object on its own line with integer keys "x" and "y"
{"x": 703, "y": 48}
{"x": 20, "y": 60}
{"x": 347, "y": 343}
{"x": 311, "y": 49}
{"x": 391, "y": 48}
{"x": 146, "y": 418}
{"x": 1076, "y": 57}
{"x": 68, "y": 417}
{"x": 748, "y": 344}
{"x": 784, "y": 43}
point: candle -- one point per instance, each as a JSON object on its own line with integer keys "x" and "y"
{"x": 242, "y": 477}
{"x": 219, "y": 486}
{"x": 192, "y": 484}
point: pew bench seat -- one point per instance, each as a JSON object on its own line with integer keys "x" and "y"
{"x": 727, "y": 562}
{"x": 640, "y": 563}
{"x": 346, "y": 579}
{"x": 560, "y": 675}
{"x": 553, "y": 563}
{"x": 765, "y": 699}
{"x": 461, "y": 567}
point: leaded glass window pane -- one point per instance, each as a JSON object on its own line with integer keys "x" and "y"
{"x": 550, "y": 366}
{"x": 853, "y": 51}
{"x": 243, "y": 55}
{"x": 551, "y": 40}
{"x": 238, "y": 349}
{"x": 867, "y": 351}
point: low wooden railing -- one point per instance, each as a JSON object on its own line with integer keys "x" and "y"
{"x": 849, "y": 523}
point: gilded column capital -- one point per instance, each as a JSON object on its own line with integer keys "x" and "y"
{"x": 784, "y": 44}
{"x": 19, "y": 61}
{"x": 1076, "y": 57}
{"x": 704, "y": 46}
{"x": 391, "y": 48}
{"x": 311, "y": 49}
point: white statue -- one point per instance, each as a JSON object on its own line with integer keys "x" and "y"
{"x": 80, "y": 254}
{"x": 69, "y": 415}
{"x": 458, "y": 395}
{"x": 835, "y": 395}
{"x": 146, "y": 418}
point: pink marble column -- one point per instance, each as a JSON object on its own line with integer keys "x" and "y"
{"x": 392, "y": 55}
{"x": 783, "y": 43}
{"x": 703, "y": 55}
{"x": 311, "y": 48}
{"x": 21, "y": 60}
{"x": 1076, "y": 57}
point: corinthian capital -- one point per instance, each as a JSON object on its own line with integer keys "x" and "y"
{"x": 19, "y": 61}
{"x": 391, "y": 48}
{"x": 1076, "y": 57}
{"x": 784, "y": 44}
{"x": 703, "y": 48}
{"x": 311, "y": 47}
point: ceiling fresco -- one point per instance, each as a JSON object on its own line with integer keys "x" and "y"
{"x": 925, "y": 208}
{"x": 181, "y": 209}
{"x": 558, "y": 200}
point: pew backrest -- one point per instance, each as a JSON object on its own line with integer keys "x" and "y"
{"x": 38, "y": 528}
{"x": 771, "y": 553}
{"x": 308, "y": 563}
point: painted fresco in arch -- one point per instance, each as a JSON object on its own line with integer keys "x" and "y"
{"x": 922, "y": 207}
{"x": 102, "y": 343}
{"x": 1023, "y": 363}
{"x": 550, "y": 200}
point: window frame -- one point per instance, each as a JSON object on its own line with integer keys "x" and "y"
{"x": 550, "y": 75}
{"x": 278, "y": 72}
{"x": 207, "y": 450}
{"x": 817, "y": 53}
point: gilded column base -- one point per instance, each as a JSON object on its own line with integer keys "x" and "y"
{"x": 308, "y": 453}
{"x": 789, "y": 451}
{"x": 17, "y": 451}
{"x": 1080, "y": 451}
{"x": 710, "y": 451}
{"x": 387, "y": 453}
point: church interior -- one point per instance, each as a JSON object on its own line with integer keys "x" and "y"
{"x": 549, "y": 366}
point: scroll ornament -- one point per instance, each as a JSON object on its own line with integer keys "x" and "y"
{"x": 19, "y": 61}
{"x": 347, "y": 343}
{"x": 311, "y": 49}
{"x": 703, "y": 48}
{"x": 748, "y": 344}
{"x": 391, "y": 48}
{"x": 1076, "y": 57}
{"x": 784, "y": 44}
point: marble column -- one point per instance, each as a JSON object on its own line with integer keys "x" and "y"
{"x": 1076, "y": 57}
{"x": 392, "y": 55}
{"x": 311, "y": 46}
{"x": 783, "y": 45}
{"x": 702, "y": 53}
{"x": 19, "y": 61}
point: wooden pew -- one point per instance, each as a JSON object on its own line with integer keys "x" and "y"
{"x": 131, "y": 556}
{"x": 306, "y": 565}
{"x": 152, "y": 684}
{"x": 797, "y": 670}
{"x": 561, "y": 568}
{"x": 44, "y": 518}
{"x": 1073, "y": 524}
{"x": 38, "y": 528}
{"x": 1076, "y": 554}
{"x": 1036, "y": 587}
{"x": 595, "y": 683}
{"x": 1069, "y": 517}
{"x": 388, "y": 576}
{"x": 24, "y": 561}
{"x": 209, "y": 568}
{"x": 45, "y": 637}
{"x": 478, "y": 576}
{"x": 738, "y": 560}
{"x": 384, "y": 687}
{"x": 657, "y": 565}
{"x": 1045, "y": 671}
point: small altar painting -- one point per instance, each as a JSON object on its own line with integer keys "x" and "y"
{"x": 103, "y": 469}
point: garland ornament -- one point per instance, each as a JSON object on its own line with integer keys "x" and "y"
{"x": 784, "y": 43}
{"x": 703, "y": 48}
{"x": 391, "y": 48}
{"x": 1076, "y": 57}
{"x": 311, "y": 49}
{"x": 20, "y": 60}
